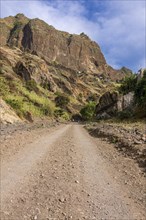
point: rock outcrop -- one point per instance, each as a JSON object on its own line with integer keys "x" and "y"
{"x": 7, "y": 114}
{"x": 76, "y": 52}
{"x": 111, "y": 103}
{"x": 107, "y": 103}
{"x": 125, "y": 102}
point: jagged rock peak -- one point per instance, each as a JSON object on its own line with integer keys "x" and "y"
{"x": 125, "y": 70}
{"x": 84, "y": 36}
{"x": 74, "y": 51}
{"x": 20, "y": 15}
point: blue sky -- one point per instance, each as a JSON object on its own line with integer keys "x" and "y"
{"x": 118, "y": 26}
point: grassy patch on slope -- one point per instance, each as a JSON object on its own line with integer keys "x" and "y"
{"x": 22, "y": 100}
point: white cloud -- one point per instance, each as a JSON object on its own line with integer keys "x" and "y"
{"x": 63, "y": 15}
{"x": 123, "y": 31}
{"x": 119, "y": 28}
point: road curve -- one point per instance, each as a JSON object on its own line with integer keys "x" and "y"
{"x": 63, "y": 175}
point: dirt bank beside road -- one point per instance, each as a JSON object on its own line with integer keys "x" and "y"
{"x": 129, "y": 139}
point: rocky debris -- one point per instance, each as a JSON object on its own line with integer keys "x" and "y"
{"x": 7, "y": 130}
{"x": 62, "y": 199}
{"x": 111, "y": 103}
{"x": 130, "y": 141}
{"x": 103, "y": 115}
{"x": 76, "y": 181}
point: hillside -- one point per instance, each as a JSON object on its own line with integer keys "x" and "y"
{"x": 73, "y": 131}
{"x": 53, "y": 62}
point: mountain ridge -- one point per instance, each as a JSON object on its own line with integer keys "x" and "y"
{"x": 84, "y": 53}
{"x": 57, "y": 61}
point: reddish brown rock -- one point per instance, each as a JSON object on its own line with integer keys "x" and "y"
{"x": 76, "y": 52}
{"x": 57, "y": 60}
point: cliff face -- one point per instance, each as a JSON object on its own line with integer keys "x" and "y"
{"x": 12, "y": 30}
{"x": 77, "y": 52}
{"x": 55, "y": 60}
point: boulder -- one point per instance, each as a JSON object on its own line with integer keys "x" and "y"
{"x": 107, "y": 103}
{"x": 111, "y": 103}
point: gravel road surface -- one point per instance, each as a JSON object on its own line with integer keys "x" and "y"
{"x": 63, "y": 173}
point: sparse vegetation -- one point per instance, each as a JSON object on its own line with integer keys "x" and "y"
{"x": 31, "y": 85}
{"x": 62, "y": 100}
{"x": 92, "y": 98}
{"x": 28, "y": 97}
{"x": 125, "y": 114}
{"x": 140, "y": 91}
{"x": 16, "y": 102}
{"x": 80, "y": 97}
{"x": 132, "y": 84}
{"x": 128, "y": 84}
{"x": 88, "y": 111}
{"x": 60, "y": 113}
{"x": 23, "y": 98}
{"x": 4, "y": 88}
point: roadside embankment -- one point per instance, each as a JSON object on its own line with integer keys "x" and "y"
{"x": 130, "y": 139}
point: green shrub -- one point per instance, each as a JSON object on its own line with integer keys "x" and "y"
{"x": 65, "y": 116}
{"x": 16, "y": 103}
{"x": 60, "y": 113}
{"x": 4, "y": 88}
{"x": 128, "y": 84}
{"x": 140, "y": 91}
{"x": 46, "y": 85}
{"x": 48, "y": 109}
{"x": 139, "y": 88}
{"x": 88, "y": 111}
{"x": 22, "y": 106}
{"x": 62, "y": 100}
{"x": 31, "y": 85}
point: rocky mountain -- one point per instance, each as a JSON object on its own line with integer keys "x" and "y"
{"x": 56, "y": 60}
{"x": 128, "y": 101}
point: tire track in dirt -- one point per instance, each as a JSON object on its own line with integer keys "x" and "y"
{"x": 12, "y": 173}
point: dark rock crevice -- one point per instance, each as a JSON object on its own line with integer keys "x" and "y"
{"x": 27, "y": 40}
{"x": 22, "y": 71}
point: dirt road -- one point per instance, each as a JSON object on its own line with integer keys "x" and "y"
{"x": 64, "y": 173}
